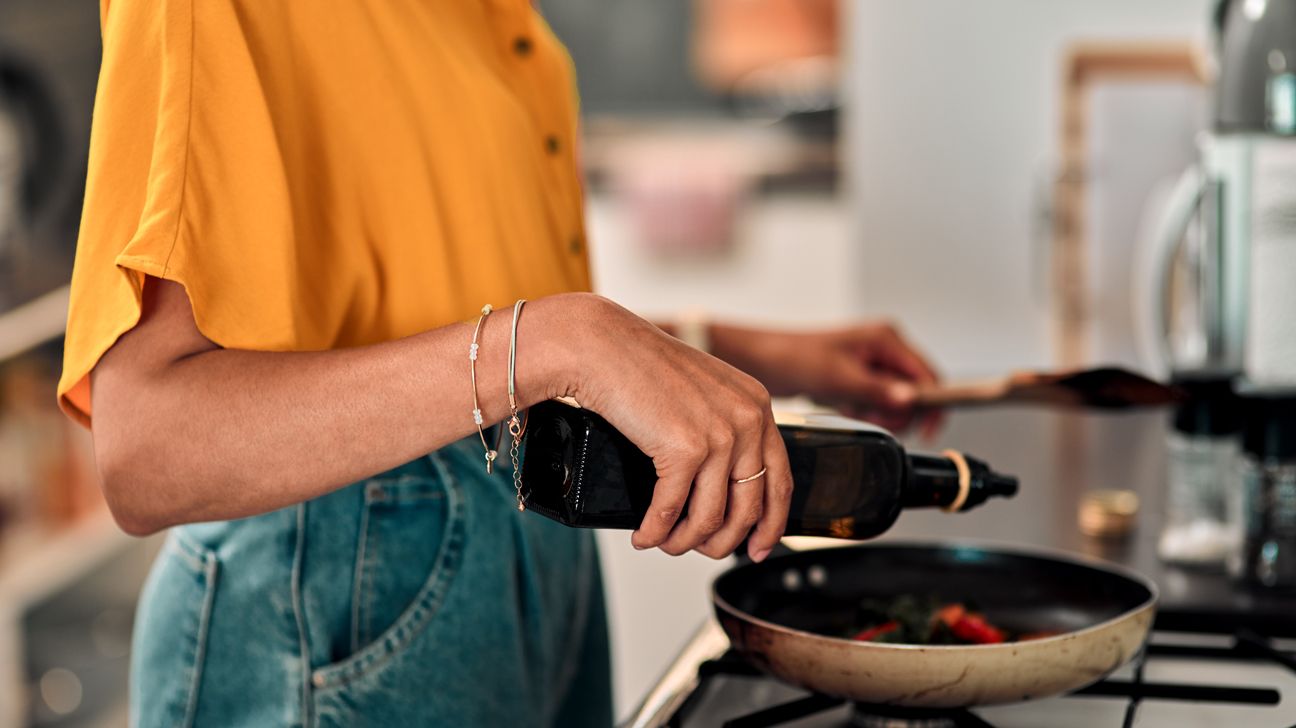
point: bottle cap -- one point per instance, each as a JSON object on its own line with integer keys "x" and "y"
{"x": 1270, "y": 429}
{"x": 1211, "y": 406}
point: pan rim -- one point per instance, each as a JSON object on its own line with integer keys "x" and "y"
{"x": 982, "y": 544}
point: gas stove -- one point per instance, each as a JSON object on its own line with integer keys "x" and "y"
{"x": 1219, "y": 655}
{"x": 1181, "y": 679}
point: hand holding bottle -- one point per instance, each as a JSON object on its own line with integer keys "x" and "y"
{"x": 704, "y": 423}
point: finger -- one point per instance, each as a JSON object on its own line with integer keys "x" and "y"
{"x": 674, "y": 481}
{"x": 746, "y": 500}
{"x": 886, "y": 419}
{"x": 897, "y": 422}
{"x": 857, "y": 411}
{"x": 932, "y": 423}
{"x": 882, "y": 391}
{"x": 894, "y": 420}
{"x": 706, "y": 505}
{"x": 669, "y": 497}
{"x": 901, "y": 356}
{"x": 777, "y": 494}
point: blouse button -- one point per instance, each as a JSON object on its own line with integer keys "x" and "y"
{"x": 552, "y": 145}
{"x": 522, "y": 45}
{"x": 575, "y": 246}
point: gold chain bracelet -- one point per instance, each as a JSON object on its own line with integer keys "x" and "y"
{"x": 516, "y": 425}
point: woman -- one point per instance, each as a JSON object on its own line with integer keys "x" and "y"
{"x": 293, "y": 214}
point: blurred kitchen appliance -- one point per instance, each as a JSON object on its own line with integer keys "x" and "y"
{"x": 49, "y": 66}
{"x": 30, "y": 154}
{"x": 1235, "y": 312}
{"x": 1267, "y": 470}
{"x": 1202, "y": 522}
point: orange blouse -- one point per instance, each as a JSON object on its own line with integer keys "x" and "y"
{"x": 323, "y": 174}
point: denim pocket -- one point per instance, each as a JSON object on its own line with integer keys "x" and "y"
{"x": 410, "y": 543}
{"x": 171, "y": 634}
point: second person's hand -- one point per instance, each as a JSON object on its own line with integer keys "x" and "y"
{"x": 869, "y": 371}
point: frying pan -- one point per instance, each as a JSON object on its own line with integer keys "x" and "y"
{"x": 780, "y": 615}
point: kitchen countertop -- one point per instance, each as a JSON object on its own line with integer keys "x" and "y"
{"x": 1058, "y": 457}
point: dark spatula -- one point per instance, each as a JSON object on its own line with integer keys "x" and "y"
{"x": 1103, "y": 388}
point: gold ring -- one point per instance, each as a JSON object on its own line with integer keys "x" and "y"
{"x": 750, "y": 478}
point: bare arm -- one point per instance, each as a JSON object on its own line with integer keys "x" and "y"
{"x": 186, "y": 431}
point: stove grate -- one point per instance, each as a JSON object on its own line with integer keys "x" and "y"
{"x": 1246, "y": 646}
{"x": 785, "y": 712}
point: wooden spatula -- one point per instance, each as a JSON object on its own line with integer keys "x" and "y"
{"x": 1103, "y": 388}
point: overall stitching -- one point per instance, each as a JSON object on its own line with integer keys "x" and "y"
{"x": 357, "y": 586}
{"x": 205, "y": 563}
{"x": 576, "y": 644}
{"x": 298, "y": 614}
{"x": 425, "y": 605}
{"x": 377, "y": 490}
{"x": 193, "y": 556}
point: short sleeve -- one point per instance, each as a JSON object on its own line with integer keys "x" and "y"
{"x": 322, "y": 177}
{"x": 151, "y": 186}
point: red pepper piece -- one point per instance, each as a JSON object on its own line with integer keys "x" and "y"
{"x": 975, "y": 629}
{"x": 873, "y": 633}
{"x": 950, "y": 613}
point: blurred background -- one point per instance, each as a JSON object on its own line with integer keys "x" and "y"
{"x": 985, "y": 172}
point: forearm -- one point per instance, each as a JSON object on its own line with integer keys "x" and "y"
{"x": 225, "y": 433}
{"x": 186, "y": 431}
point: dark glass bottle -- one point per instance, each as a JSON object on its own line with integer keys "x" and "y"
{"x": 850, "y": 480}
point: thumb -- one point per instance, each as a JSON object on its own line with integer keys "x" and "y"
{"x": 884, "y": 392}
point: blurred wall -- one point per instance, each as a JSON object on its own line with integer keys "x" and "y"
{"x": 951, "y": 138}
{"x": 644, "y": 71}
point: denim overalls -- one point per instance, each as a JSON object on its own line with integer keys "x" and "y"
{"x": 419, "y": 597}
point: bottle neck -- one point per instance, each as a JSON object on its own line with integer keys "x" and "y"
{"x": 941, "y": 481}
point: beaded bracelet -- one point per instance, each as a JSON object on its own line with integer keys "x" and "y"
{"x": 491, "y": 454}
